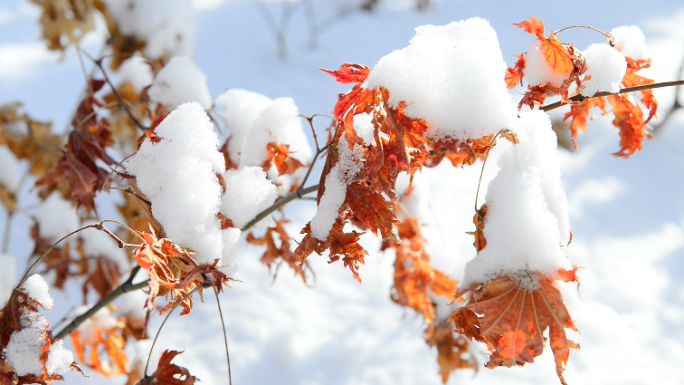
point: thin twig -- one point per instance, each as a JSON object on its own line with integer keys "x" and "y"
{"x": 225, "y": 335}
{"x": 610, "y": 37}
{"x": 580, "y": 98}
{"x": 23, "y": 279}
{"x": 279, "y": 204}
{"x": 122, "y": 103}
{"x": 484, "y": 163}
{"x": 191, "y": 292}
{"x": 122, "y": 289}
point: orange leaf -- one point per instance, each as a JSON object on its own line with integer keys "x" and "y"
{"x": 372, "y": 209}
{"x": 556, "y": 55}
{"x": 630, "y": 120}
{"x": 276, "y": 254}
{"x": 349, "y": 73}
{"x": 451, "y": 351}
{"x": 533, "y": 27}
{"x": 168, "y": 373}
{"x": 580, "y": 112}
{"x": 280, "y": 156}
{"x": 112, "y": 343}
{"x": 511, "y": 313}
{"x": 341, "y": 245}
{"x": 514, "y": 75}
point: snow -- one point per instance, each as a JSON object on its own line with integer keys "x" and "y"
{"x": 178, "y": 174}
{"x": 241, "y": 109}
{"x": 8, "y": 277}
{"x": 364, "y": 128}
{"x": 339, "y": 332}
{"x": 167, "y": 26}
{"x": 538, "y": 70}
{"x": 38, "y": 290}
{"x": 606, "y": 66}
{"x": 25, "y": 348}
{"x": 453, "y": 77}
{"x": 527, "y": 223}
{"x": 137, "y": 72}
{"x": 630, "y": 41}
{"x": 278, "y": 122}
{"x": 336, "y": 183}
{"x": 59, "y": 359}
{"x": 9, "y": 173}
{"x": 180, "y": 81}
{"x": 56, "y": 218}
{"x": 248, "y": 192}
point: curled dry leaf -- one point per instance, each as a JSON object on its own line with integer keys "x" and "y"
{"x": 340, "y": 245}
{"x": 510, "y": 314}
{"x": 168, "y": 373}
{"x": 277, "y": 243}
{"x": 414, "y": 276}
{"x": 173, "y": 270}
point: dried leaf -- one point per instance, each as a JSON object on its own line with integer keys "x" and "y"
{"x": 65, "y": 22}
{"x": 168, "y": 373}
{"x": 275, "y": 254}
{"x": 452, "y": 350}
{"x": 510, "y": 314}
{"x": 110, "y": 340}
{"x": 279, "y": 155}
{"x": 340, "y": 245}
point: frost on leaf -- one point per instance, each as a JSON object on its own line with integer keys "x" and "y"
{"x": 29, "y": 353}
{"x": 168, "y": 373}
{"x": 511, "y": 313}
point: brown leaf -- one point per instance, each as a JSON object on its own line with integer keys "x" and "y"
{"x": 478, "y": 219}
{"x": 452, "y": 350}
{"x": 66, "y": 20}
{"x": 510, "y": 314}
{"x": 372, "y": 209}
{"x": 340, "y": 245}
{"x": 168, "y": 373}
{"x": 275, "y": 254}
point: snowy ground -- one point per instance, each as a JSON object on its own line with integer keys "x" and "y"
{"x": 626, "y": 215}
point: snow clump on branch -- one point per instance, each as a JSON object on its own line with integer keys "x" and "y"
{"x": 630, "y": 41}
{"x": 178, "y": 175}
{"x": 180, "y": 81}
{"x": 527, "y": 224}
{"x": 453, "y": 77}
{"x": 606, "y": 66}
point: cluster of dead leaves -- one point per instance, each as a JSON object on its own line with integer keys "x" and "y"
{"x": 564, "y": 59}
{"x": 13, "y": 316}
{"x": 629, "y": 117}
{"x": 400, "y": 145}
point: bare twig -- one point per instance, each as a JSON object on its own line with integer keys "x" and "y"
{"x": 279, "y": 204}
{"x": 225, "y": 335}
{"x": 122, "y": 103}
{"x": 484, "y": 163}
{"x": 580, "y": 98}
{"x": 191, "y": 292}
{"x": 610, "y": 37}
{"x": 675, "y": 107}
{"x": 116, "y": 293}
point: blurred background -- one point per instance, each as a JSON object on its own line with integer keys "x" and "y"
{"x": 627, "y": 215}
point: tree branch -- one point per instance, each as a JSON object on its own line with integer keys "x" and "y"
{"x": 279, "y": 204}
{"x": 122, "y": 289}
{"x": 580, "y": 98}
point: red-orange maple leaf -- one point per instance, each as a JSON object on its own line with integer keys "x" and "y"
{"x": 629, "y": 118}
{"x": 277, "y": 243}
{"x": 556, "y": 54}
{"x": 515, "y": 75}
{"x": 340, "y": 245}
{"x": 168, "y": 373}
{"x": 112, "y": 342}
{"x": 279, "y": 155}
{"x": 511, "y": 313}
{"x": 579, "y": 113}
